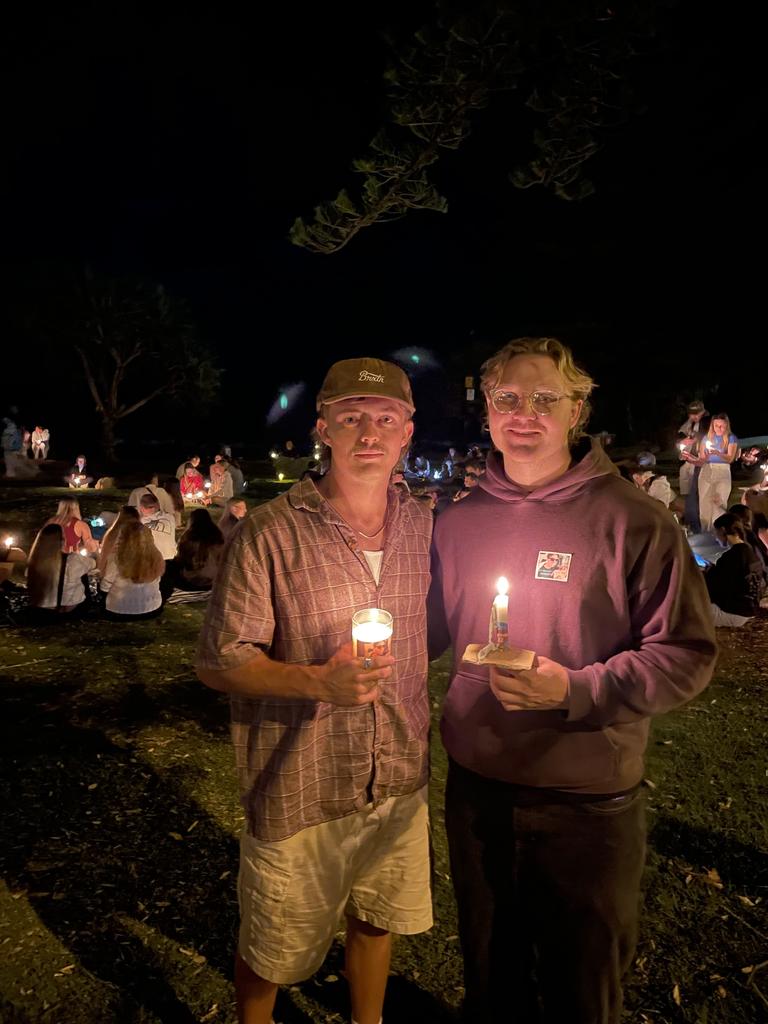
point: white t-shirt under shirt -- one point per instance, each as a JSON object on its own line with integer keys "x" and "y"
{"x": 373, "y": 558}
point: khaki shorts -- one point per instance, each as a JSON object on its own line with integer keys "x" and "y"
{"x": 372, "y": 865}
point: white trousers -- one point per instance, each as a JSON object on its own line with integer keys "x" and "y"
{"x": 714, "y": 492}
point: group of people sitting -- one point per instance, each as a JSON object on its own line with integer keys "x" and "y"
{"x": 137, "y": 565}
{"x": 225, "y": 481}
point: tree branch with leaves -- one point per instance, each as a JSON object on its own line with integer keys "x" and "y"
{"x": 565, "y": 61}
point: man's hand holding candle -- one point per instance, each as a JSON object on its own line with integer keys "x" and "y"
{"x": 344, "y": 680}
{"x": 542, "y": 688}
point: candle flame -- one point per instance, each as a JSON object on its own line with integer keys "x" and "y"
{"x": 502, "y": 585}
{"x": 281, "y": 476}
{"x": 83, "y": 551}
{"x": 9, "y": 542}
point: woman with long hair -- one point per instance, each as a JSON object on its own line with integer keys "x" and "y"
{"x": 199, "y": 553}
{"x": 109, "y": 543}
{"x": 76, "y": 532}
{"x": 132, "y": 576}
{"x": 55, "y": 580}
{"x": 717, "y": 450}
{"x": 173, "y": 489}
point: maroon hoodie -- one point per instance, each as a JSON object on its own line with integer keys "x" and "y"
{"x": 619, "y": 602}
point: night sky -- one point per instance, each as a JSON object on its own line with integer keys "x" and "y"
{"x": 179, "y": 145}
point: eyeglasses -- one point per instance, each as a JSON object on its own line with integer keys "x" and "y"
{"x": 542, "y": 402}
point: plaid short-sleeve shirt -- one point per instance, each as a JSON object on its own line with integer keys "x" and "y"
{"x": 291, "y": 578}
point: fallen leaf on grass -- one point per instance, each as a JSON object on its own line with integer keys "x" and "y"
{"x": 224, "y": 874}
{"x": 193, "y": 825}
{"x": 649, "y": 784}
{"x": 332, "y": 977}
{"x": 712, "y": 878}
{"x": 176, "y": 836}
{"x": 676, "y": 995}
{"x": 211, "y": 1013}
{"x": 722, "y": 992}
{"x": 727, "y": 805}
{"x": 196, "y": 958}
{"x": 745, "y": 900}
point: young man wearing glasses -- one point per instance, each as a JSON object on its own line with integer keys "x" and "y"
{"x": 544, "y": 817}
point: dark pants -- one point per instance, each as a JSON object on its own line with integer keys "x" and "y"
{"x": 548, "y": 895}
{"x": 691, "y": 513}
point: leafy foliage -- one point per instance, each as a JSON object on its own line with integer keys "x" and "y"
{"x": 565, "y": 62}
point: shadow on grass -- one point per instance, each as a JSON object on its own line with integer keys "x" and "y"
{"x": 121, "y": 865}
{"x": 87, "y": 836}
{"x": 738, "y": 865}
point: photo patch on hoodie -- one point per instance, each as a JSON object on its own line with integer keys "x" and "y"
{"x": 553, "y": 565}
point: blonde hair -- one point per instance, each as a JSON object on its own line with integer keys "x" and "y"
{"x": 68, "y": 508}
{"x": 726, "y": 419}
{"x": 138, "y": 559}
{"x": 44, "y": 566}
{"x": 109, "y": 541}
{"x": 579, "y": 383}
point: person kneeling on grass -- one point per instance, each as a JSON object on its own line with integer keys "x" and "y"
{"x": 735, "y": 581}
{"x": 132, "y": 575}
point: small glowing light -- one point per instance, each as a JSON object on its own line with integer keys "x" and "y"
{"x": 207, "y": 484}
{"x": 283, "y": 401}
{"x": 709, "y": 446}
{"x": 502, "y": 585}
{"x": 198, "y": 494}
{"x": 764, "y": 465}
{"x": 281, "y": 476}
{"x": 681, "y": 447}
{"x": 273, "y": 455}
{"x": 436, "y": 474}
{"x": 9, "y": 542}
{"x": 83, "y": 552}
{"x": 415, "y": 358}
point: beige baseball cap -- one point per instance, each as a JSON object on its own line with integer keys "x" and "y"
{"x": 365, "y": 378}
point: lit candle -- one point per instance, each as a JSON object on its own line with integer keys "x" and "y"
{"x": 198, "y": 494}
{"x": 709, "y": 446}
{"x": 8, "y": 542}
{"x": 499, "y": 630}
{"x": 207, "y": 484}
{"x": 281, "y": 476}
{"x": 84, "y": 552}
{"x": 371, "y": 633}
{"x": 273, "y": 455}
{"x": 681, "y": 446}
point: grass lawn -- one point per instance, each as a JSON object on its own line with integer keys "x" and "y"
{"x": 119, "y": 853}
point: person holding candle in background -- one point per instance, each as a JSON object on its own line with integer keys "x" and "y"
{"x": 713, "y": 460}
{"x": 690, "y": 435}
{"x": 332, "y": 748}
{"x": 543, "y": 812}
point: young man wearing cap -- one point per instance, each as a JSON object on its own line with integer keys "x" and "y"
{"x": 331, "y": 752}
{"x": 690, "y": 435}
{"x": 543, "y": 809}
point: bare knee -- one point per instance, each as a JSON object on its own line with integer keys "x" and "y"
{"x": 364, "y": 928}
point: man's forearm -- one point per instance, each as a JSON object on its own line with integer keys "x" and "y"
{"x": 263, "y": 677}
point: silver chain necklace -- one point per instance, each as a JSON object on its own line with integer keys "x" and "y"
{"x": 368, "y": 536}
